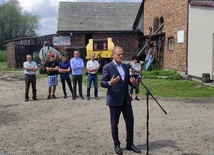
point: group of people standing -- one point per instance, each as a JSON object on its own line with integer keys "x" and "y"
{"x": 64, "y": 68}
{"x": 116, "y": 78}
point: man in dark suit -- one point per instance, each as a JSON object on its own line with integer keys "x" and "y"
{"x": 116, "y": 78}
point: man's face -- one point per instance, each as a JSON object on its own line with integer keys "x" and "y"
{"x": 52, "y": 58}
{"x": 63, "y": 58}
{"x": 92, "y": 56}
{"x": 76, "y": 54}
{"x": 118, "y": 55}
{"x": 29, "y": 58}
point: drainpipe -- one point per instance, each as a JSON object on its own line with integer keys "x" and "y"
{"x": 187, "y": 37}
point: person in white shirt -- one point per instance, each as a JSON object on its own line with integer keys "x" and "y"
{"x": 92, "y": 67}
{"x": 30, "y": 68}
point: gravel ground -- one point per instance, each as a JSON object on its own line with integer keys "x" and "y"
{"x": 66, "y": 127}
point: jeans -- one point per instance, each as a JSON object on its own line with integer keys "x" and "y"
{"x": 92, "y": 78}
{"x": 136, "y": 87}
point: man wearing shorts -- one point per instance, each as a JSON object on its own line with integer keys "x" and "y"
{"x": 52, "y": 71}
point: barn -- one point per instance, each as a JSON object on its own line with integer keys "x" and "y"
{"x": 80, "y": 21}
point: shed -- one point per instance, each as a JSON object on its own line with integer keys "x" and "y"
{"x": 17, "y": 49}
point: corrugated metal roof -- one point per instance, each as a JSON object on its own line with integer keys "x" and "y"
{"x": 96, "y": 16}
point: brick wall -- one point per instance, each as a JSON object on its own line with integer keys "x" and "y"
{"x": 174, "y": 13}
{"x": 11, "y": 55}
{"x": 78, "y": 40}
{"x": 128, "y": 41}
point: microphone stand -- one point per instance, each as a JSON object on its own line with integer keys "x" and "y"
{"x": 147, "y": 122}
{"x": 147, "y": 104}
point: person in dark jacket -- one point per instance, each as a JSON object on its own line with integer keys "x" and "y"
{"x": 64, "y": 71}
{"x": 116, "y": 78}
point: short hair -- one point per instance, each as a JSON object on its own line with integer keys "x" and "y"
{"x": 135, "y": 57}
{"x": 116, "y": 47}
{"x": 92, "y": 54}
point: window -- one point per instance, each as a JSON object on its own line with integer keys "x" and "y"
{"x": 155, "y": 24}
{"x": 171, "y": 43}
{"x": 100, "y": 44}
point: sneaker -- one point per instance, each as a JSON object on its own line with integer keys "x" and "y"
{"x": 65, "y": 96}
{"x": 73, "y": 98}
{"x": 136, "y": 98}
{"x": 88, "y": 98}
{"x": 53, "y": 96}
{"x": 35, "y": 99}
{"x": 96, "y": 98}
{"x": 49, "y": 97}
{"x": 26, "y": 99}
{"x": 82, "y": 97}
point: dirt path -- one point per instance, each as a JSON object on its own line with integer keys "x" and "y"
{"x": 81, "y": 127}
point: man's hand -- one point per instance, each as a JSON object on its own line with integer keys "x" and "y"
{"x": 114, "y": 80}
{"x": 29, "y": 69}
{"x": 133, "y": 81}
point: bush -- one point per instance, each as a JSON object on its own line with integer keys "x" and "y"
{"x": 175, "y": 77}
{"x": 3, "y": 56}
{"x": 149, "y": 73}
{"x": 167, "y": 74}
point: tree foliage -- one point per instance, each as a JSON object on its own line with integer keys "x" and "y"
{"x": 16, "y": 23}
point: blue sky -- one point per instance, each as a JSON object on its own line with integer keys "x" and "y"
{"x": 47, "y": 11}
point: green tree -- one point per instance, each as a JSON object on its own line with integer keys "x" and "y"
{"x": 15, "y": 23}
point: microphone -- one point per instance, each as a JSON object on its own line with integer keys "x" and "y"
{"x": 130, "y": 67}
{"x": 134, "y": 73}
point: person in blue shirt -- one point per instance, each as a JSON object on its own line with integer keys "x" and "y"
{"x": 64, "y": 71}
{"x": 77, "y": 66}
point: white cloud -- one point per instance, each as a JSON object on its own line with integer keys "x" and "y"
{"x": 35, "y": 6}
{"x": 47, "y": 11}
{"x": 47, "y": 25}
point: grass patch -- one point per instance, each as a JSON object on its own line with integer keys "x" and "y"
{"x": 4, "y": 67}
{"x": 3, "y": 56}
{"x": 177, "y": 88}
{"x": 167, "y": 74}
{"x": 172, "y": 88}
{"x": 159, "y": 87}
{"x": 169, "y": 83}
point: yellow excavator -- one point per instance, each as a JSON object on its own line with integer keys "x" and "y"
{"x": 102, "y": 49}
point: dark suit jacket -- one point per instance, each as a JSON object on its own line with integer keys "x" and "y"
{"x": 116, "y": 94}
